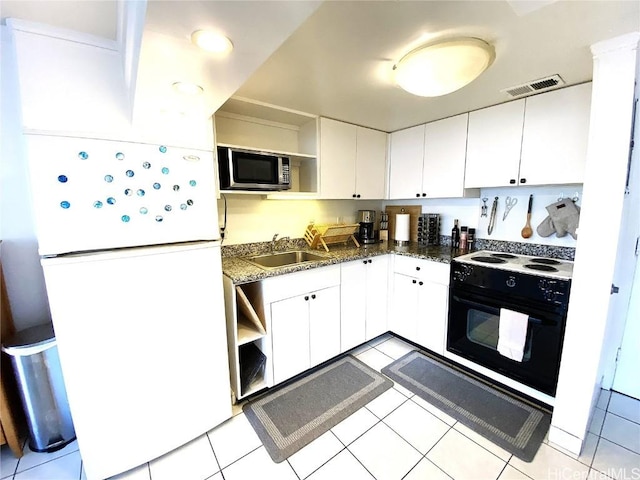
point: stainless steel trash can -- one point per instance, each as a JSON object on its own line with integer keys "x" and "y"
{"x": 34, "y": 355}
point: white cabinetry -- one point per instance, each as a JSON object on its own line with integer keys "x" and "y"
{"x": 555, "y": 136}
{"x": 363, "y": 300}
{"x": 304, "y": 318}
{"x": 540, "y": 140}
{"x": 429, "y": 160}
{"x": 493, "y": 145}
{"x": 419, "y": 305}
{"x": 353, "y": 161}
{"x": 242, "y": 123}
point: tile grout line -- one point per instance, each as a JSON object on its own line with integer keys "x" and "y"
{"x": 214, "y": 456}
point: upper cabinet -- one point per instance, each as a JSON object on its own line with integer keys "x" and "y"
{"x": 256, "y": 126}
{"x": 540, "y": 140}
{"x": 428, "y": 160}
{"x": 353, "y": 161}
{"x": 555, "y": 136}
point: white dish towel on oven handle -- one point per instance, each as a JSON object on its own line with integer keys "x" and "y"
{"x": 512, "y": 334}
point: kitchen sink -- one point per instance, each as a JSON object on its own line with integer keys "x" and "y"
{"x": 284, "y": 259}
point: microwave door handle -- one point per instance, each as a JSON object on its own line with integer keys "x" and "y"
{"x": 481, "y": 306}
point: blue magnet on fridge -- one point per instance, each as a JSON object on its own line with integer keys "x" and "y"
{"x": 129, "y": 173}
{"x": 176, "y": 188}
{"x": 111, "y": 200}
{"x": 83, "y": 155}
{"x": 165, "y": 171}
{"x": 156, "y": 186}
{"x": 146, "y": 165}
{"x": 192, "y": 183}
{"x": 143, "y": 210}
{"x": 125, "y": 218}
{"x": 128, "y": 192}
{"x": 62, "y": 178}
{"x": 167, "y": 208}
{"x": 140, "y": 192}
{"x": 163, "y": 149}
{"x": 189, "y": 202}
{"x": 97, "y": 204}
{"x": 108, "y": 178}
{"x": 64, "y": 204}
{"x": 183, "y": 206}
{"x": 119, "y": 156}
{"x": 159, "y": 218}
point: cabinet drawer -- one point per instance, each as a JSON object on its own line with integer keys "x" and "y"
{"x": 293, "y": 284}
{"x": 425, "y": 270}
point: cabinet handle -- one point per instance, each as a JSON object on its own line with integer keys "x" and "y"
{"x": 306, "y": 298}
{"x": 420, "y": 283}
{"x": 364, "y": 261}
{"x": 313, "y": 297}
{"x": 424, "y": 194}
{"x": 417, "y": 195}
{"x": 523, "y": 180}
{"x": 413, "y": 281}
{"x": 418, "y": 268}
{"x": 354, "y": 195}
{"x": 512, "y": 181}
{"x": 369, "y": 260}
{"x": 358, "y": 196}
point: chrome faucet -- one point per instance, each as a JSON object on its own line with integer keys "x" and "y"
{"x": 274, "y": 241}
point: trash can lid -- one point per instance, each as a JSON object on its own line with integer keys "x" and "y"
{"x": 30, "y": 340}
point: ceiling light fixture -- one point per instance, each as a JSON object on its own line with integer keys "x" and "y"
{"x": 187, "y": 88}
{"x": 212, "y": 42}
{"x": 443, "y": 67}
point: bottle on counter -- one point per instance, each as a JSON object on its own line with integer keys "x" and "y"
{"x": 471, "y": 238}
{"x": 455, "y": 236}
{"x": 463, "y": 239}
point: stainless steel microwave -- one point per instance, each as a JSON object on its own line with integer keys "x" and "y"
{"x": 240, "y": 169}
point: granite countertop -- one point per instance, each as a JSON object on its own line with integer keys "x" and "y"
{"x": 240, "y": 271}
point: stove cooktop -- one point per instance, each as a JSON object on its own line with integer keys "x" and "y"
{"x": 542, "y": 266}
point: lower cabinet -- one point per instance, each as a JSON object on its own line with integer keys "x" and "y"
{"x": 419, "y": 301}
{"x": 305, "y": 331}
{"x": 364, "y": 289}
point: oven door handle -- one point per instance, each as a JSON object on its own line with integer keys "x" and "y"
{"x": 481, "y": 306}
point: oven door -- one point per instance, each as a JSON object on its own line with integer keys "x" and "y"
{"x": 472, "y": 333}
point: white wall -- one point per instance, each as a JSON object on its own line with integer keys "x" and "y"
{"x": 20, "y": 261}
{"x": 252, "y": 219}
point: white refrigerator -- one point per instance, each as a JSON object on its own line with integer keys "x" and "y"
{"x": 128, "y": 235}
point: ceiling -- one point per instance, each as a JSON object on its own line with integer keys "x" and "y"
{"x": 338, "y": 63}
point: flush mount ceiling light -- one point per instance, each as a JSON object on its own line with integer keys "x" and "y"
{"x": 187, "y": 88}
{"x": 443, "y": 67}
{"x": 212, "y": 42}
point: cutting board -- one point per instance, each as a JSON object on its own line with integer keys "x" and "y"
{"x": 414, "y": 212}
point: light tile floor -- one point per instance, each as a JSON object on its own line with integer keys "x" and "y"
{"x": 396, "y": 436}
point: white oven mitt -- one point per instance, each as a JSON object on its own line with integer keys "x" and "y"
{"x": 563, "y": 218}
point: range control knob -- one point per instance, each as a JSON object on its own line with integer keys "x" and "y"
{"x": 549, "y": 295}
{"x": 511, "y": 282}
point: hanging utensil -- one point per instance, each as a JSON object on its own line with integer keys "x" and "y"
{"x": 492, "y": 218}
{"x": 509, "y": 203}
{"x": 484, "y": 207}
{"x": 527, "y": 231}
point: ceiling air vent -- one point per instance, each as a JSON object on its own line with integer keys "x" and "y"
{"x": 539, "y": 85}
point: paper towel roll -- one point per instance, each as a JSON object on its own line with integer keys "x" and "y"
{"x": 402, "y": 227}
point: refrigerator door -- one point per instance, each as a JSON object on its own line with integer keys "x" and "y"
{"x": 95, "y": 194}
{"x": 142, "y": 342}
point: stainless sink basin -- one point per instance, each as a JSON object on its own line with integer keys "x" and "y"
{"x": 283, "y": 259}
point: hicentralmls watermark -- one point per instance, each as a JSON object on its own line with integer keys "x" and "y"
{"x": 609, "y": 474}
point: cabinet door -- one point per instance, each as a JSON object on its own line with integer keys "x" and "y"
{"x": 353, "y": 301}
{"x": 371, "y": 164}
{"x": 324, "y": 324}
{"x": 376, "y": 298}
{"x": 403, "y": 312}
{"x": 290, "y": 337}
{"x": 432, "y": 319}
{"x": 493, "y": 145}
{"x": 405, "y": 159}
{"x": 556, "y": 132}
{"x": 337, "y": 159}
{"x": 445, "y": 149}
